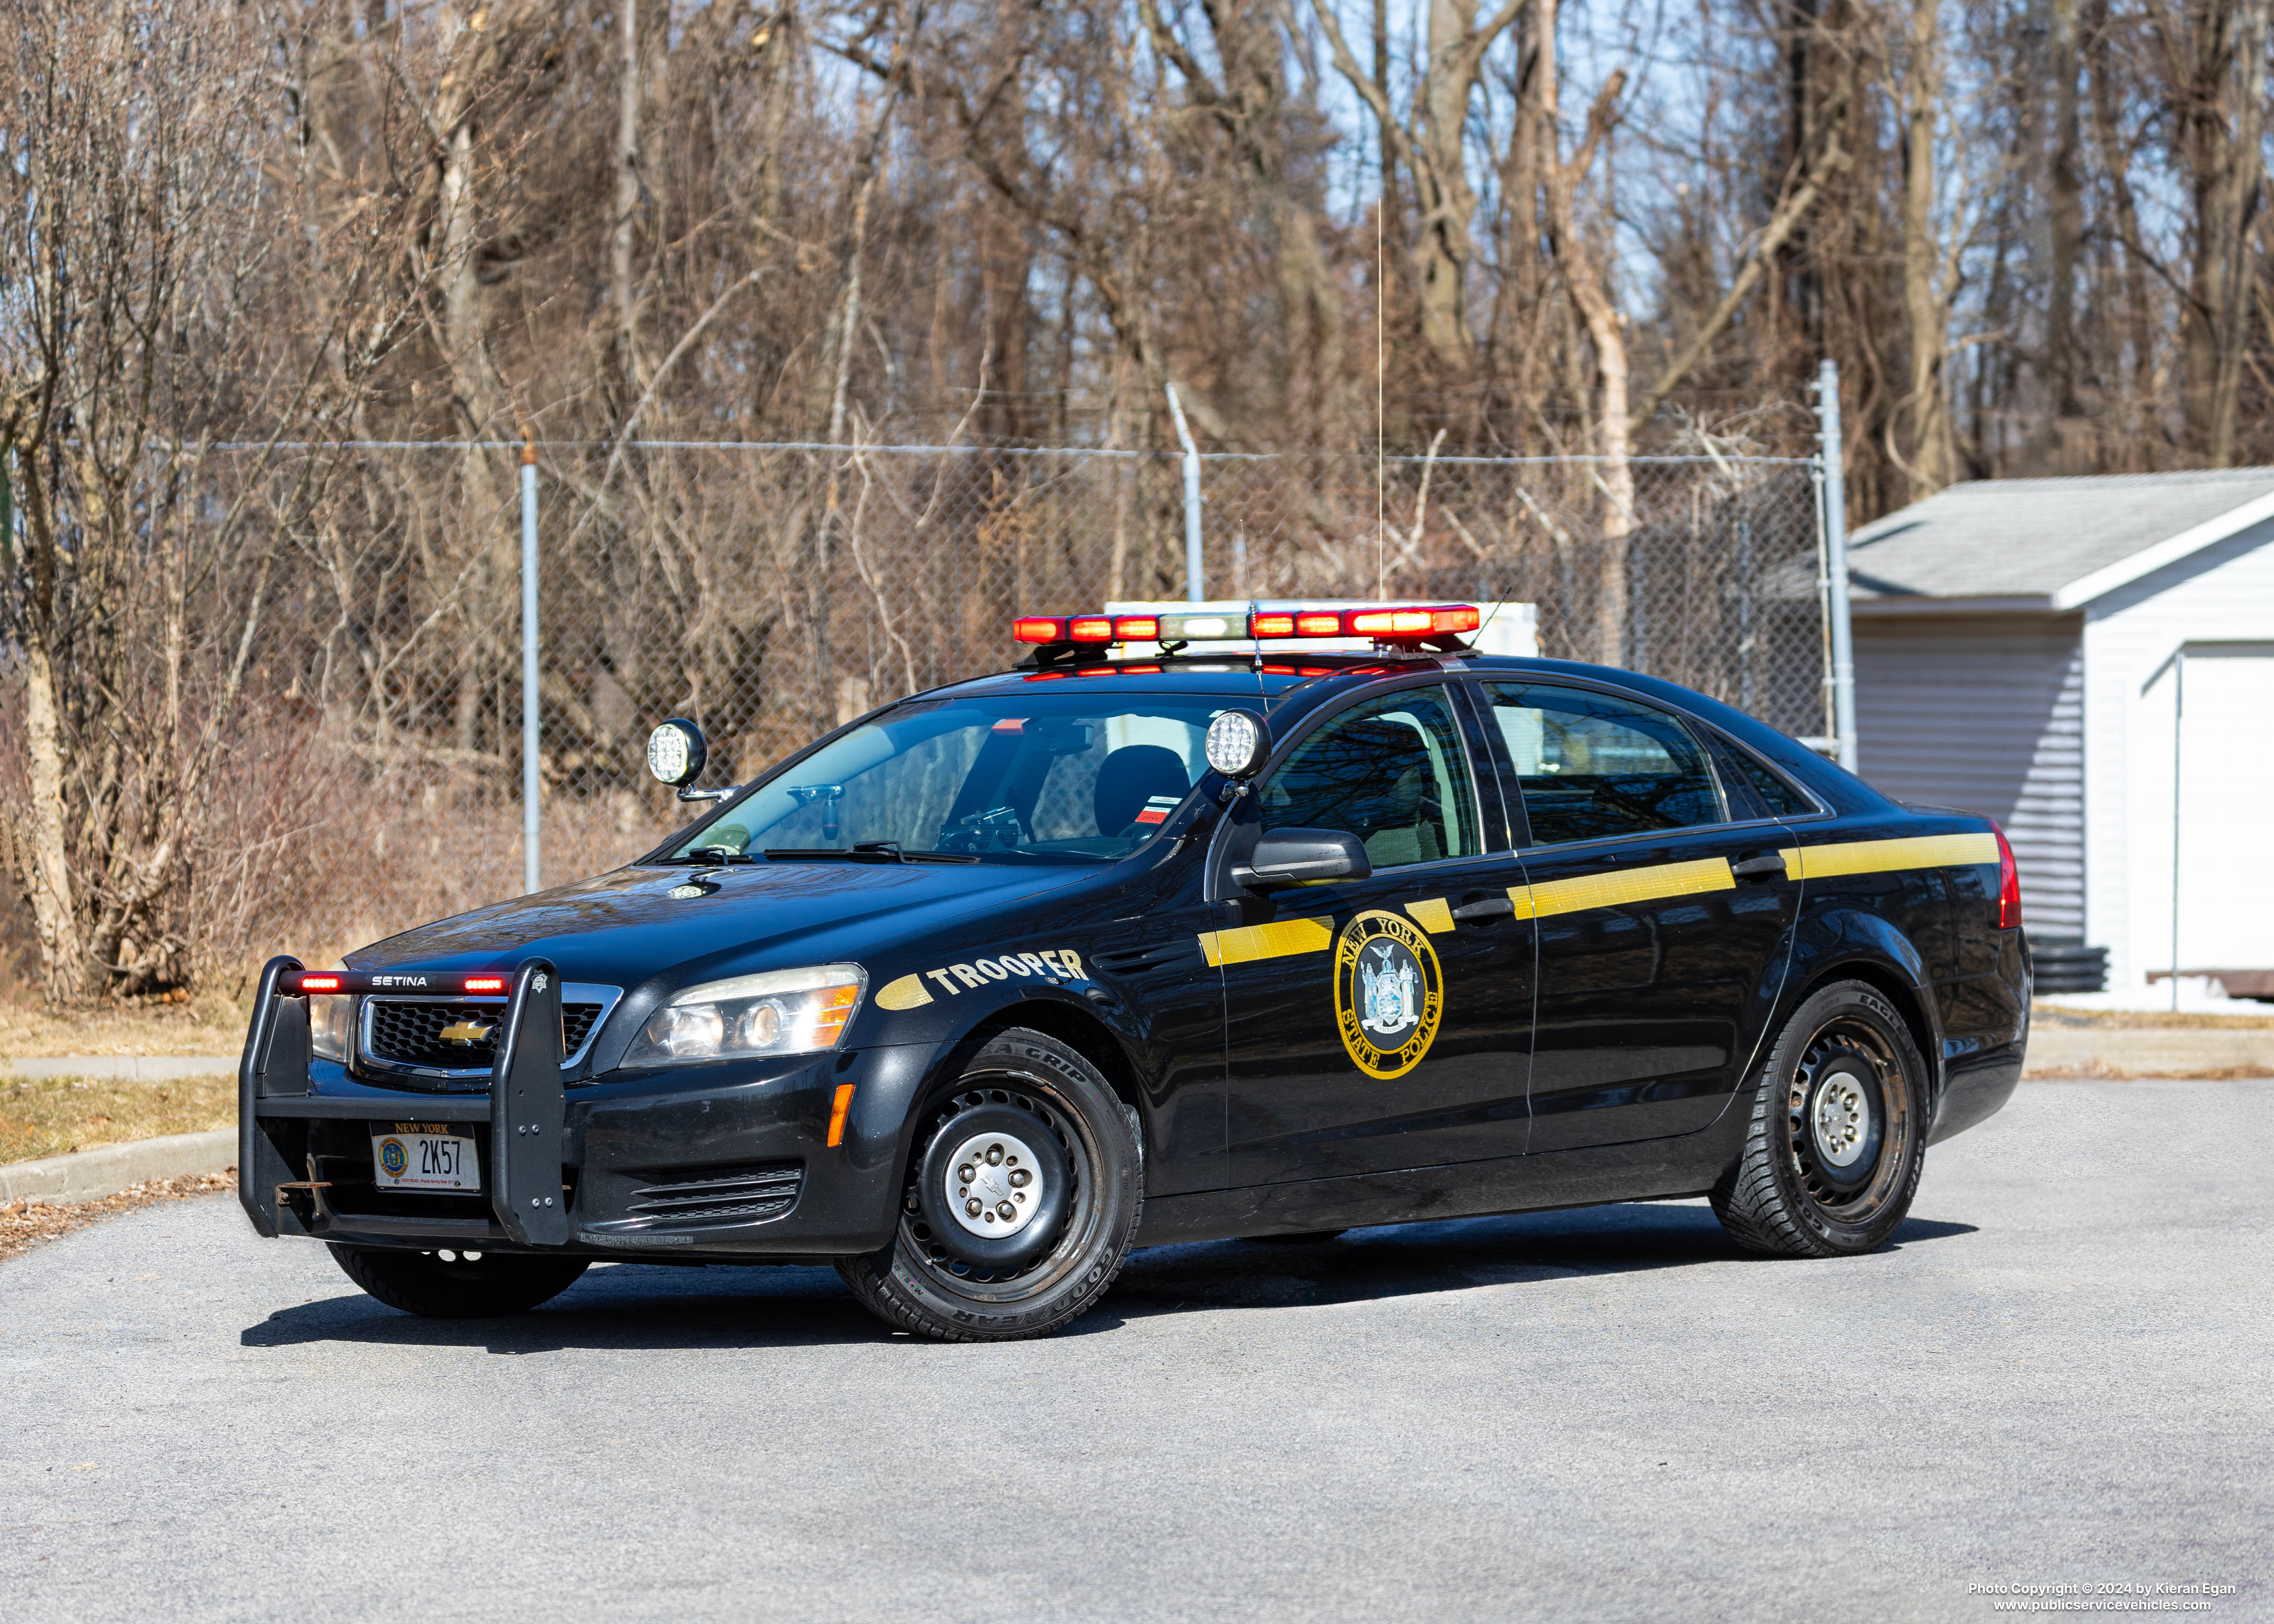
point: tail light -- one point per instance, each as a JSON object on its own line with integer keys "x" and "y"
{"x": 2009, "y": 885}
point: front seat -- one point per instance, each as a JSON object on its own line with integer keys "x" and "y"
{"x": 1138, "y": 781}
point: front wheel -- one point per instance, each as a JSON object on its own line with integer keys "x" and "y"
{"x": 449, "y": 1284}
{"x": 1837, "y": 1137}
{"x": 1022, "y": 1197}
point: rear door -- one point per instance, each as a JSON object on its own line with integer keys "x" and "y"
{"x": 1663, "y": 915}
{"x": 1369, "y": 1025}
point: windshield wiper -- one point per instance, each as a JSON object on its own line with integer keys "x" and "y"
{"x": 864, "y": 851}
{"x": 712, "y": 857}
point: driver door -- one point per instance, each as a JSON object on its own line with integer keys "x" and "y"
{"x": 1367, "y": 1026}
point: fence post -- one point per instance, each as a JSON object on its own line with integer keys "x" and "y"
{"x": 1193, "y": 584}
{"x": 1836, "y": 559}
{"x": 530, "y": 868}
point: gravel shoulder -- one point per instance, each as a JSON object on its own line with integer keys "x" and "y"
{"x": 2062, "y": 1371}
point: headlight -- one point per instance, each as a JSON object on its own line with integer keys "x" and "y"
{"x": 780, "y": 1012}
{"x": 331, "y": 1022}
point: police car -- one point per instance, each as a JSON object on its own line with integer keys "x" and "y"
{"x": 1122, "y": 948}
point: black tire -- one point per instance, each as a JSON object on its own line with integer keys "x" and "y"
{"x": 1030, "y": 1087}
{"x": 484, "y": 1286}
{"x": 1836, "y": 1139}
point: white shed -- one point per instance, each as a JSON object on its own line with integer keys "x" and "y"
{"x": 2091, "y": 662}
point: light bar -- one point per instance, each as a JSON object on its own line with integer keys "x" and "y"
{"x": 299, "y": 983}
{"x": 1393, "y": 622}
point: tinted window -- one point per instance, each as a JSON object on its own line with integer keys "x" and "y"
{"x": 1593, "y": 766}
{"x": 1783, "y": 800}
{"x": 1391, "y": 771}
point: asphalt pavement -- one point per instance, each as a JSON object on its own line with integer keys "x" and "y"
{"x": 2062, "y": 1374}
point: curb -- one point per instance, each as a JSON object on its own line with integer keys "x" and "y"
{"x": 91, "y": 1175}
{"x": 123, "y": 1068}
{"x": 2149, "y": 1051}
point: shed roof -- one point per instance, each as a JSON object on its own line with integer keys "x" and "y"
{"x": 2051, "y": 544}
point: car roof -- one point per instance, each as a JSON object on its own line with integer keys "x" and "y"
{"x": 1299, "y": 680}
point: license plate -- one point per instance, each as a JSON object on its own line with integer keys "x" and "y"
{"x": 423, "y": 1162}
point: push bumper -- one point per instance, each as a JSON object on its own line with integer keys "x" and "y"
{"x": 729, "y": 1161}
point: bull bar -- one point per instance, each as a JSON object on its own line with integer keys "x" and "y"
{"x": 526, "y": 1102}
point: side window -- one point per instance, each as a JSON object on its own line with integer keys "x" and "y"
{"x": 1781, "y": 799}
{"x": 1593, "y": 766}
{"x": 1392, "y": 772}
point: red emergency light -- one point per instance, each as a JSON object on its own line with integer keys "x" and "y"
{"x": 486, "y": 983}
{"x": 1390, "y": 623}
{"x": 319, "y": 983}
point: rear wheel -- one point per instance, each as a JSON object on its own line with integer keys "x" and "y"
{"x": 1837, "y": 1137}
{"x": 449, "y": 1284}
{"x": 1021, "y": 1200}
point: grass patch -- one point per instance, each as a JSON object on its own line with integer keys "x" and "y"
{"x": 51, "y": 1116}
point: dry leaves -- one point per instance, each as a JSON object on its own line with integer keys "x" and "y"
{"x": 24, "y": 1225}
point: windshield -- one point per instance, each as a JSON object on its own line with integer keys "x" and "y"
{"x": 1065, "y": 777}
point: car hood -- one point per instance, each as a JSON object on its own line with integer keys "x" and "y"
{"x": 626, "y": 927}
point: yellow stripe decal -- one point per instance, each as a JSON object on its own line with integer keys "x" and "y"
{"x": 1619, "y": 886}
{"x": 1432, "y": 915}
{"x": 1246, "y": 943}
{"x": 1819, "y": 863}
{"x": 908, "y": 992}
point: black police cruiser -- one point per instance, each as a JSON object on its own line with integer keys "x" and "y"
{"x": 981, "y": 990}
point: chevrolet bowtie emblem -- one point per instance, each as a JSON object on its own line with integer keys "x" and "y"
{"x": 466, "y": 1032}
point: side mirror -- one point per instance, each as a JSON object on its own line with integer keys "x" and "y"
{"x": 676, "y": 752}
{"x": 1238, "y": 741}
{"x": 1303, "y": 857}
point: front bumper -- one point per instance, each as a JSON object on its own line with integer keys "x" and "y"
{"x": 726, "y": 1161}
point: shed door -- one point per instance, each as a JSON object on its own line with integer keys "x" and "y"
{"x": 2227, "y": 783}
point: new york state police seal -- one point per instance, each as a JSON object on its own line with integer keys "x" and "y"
{"x": 1389, "y": 993}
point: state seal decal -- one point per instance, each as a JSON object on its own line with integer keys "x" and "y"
{"x": 1389, "y": 993}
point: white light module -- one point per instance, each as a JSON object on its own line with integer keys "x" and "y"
{"x": 1236, "y": 743}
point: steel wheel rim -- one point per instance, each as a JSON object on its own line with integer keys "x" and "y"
{"x": 999, "y": 1286}
{"x": 1848, "y": 1122}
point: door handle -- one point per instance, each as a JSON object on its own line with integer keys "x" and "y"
{"x": 1768, "y": 863}
{"x": 1491, "y": 907}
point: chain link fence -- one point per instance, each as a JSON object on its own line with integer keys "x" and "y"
{"x": 769, "y": 592}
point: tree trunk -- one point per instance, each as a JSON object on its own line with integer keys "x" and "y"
{"x": 2244, "y": 174}
{"x": 63, "y": 962}
{"x": 1930, "y": 456}
{"x": 1589, "y": 291}
{"x": 2067, "y": 223}
{"x": 628, "y": 196}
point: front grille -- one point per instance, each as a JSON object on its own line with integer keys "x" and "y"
{"x": 749, "y": 1193}
{"x": 405, "y": 1031}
